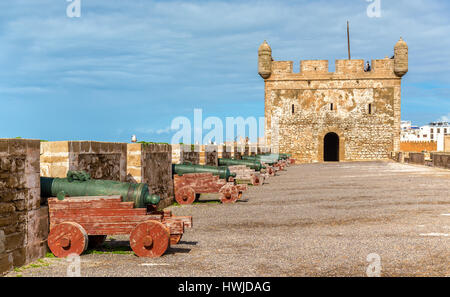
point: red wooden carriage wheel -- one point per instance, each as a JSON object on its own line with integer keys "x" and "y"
{"x": 150, "y": 239}
{"x": 229, "y": 194}
{"x": 185, "y": 195}
{"x": 255, "y": 180}
{"x": 67, "y": 238}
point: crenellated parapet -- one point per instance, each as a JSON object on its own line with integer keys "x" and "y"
{"x": 394, "y": 67}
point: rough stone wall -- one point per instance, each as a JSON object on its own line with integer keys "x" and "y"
{"x": 23, "y": 222}
{"x": 177, "y": 156}
{"x": 441, "y": 160}
{"x": 209, "y": 155}
{"x": 398, "y": 156}
{"x": 301, "y": 104}
{"x": 191, "y": 154}
{"x": 239, "y": 151}
{"x": 225, "y": 152}
{"x": 103, "y": 160}
{"x": 416, "y": 158}
{"x": 418, "y": 146}
{"x": 152, "y": 164}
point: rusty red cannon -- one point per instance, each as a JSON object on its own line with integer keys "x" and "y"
{"x": 78, "y": 221}
{"x": 191, "y": 182}
{"x": 245, "y": 175}
{"x": 274, "y": 161}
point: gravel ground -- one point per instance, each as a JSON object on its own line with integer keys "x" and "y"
{"x": 311, "y": 220}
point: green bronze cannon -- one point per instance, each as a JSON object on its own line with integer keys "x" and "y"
{"x": 277, "y": 156}
{"x": 221, "y": 171}
{"x": 261, "y": 158}
{"x": 80, "y": 184}
{"x": 253, "y": 164}
{"x": 285, "y": 156}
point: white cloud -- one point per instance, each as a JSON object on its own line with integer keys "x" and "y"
{"x": 444, "y": 118}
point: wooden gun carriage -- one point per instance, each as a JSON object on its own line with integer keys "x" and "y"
{"x": 188, "y": 186}
{"x": 76, "y": 221}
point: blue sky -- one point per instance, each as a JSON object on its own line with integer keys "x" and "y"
{"x": 130, "y": 67}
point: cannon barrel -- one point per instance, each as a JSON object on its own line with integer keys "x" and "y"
{"x": 274, "y": 156}
{"x": 285, "y": 156}
{"x": 259, "y": 158}
{"x": 79, "y": 184}
{"x": 222, "y": 171}
{"x": 253, "y": 164}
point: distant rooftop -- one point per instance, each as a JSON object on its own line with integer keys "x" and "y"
{"x": 438, "y": 124}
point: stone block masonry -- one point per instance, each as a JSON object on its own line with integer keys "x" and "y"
{"x": 441, "y": 160}
{"x": 23, "y": 221}
{"x": 102, "y": 160}
{"x": 209, "y": 155}
{"x": 240, "y": 150}
{"x": 225, "y": 152}
{"x": 186, "y": 153}
{"x": 346, "y": 115}
{"x": 152, "y": 164}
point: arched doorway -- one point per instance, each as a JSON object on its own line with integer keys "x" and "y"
{"x": 331, "y": 147}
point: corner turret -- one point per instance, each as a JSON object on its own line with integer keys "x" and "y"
{"x": 265, "y": 60}
{"x": 401, "y": 58}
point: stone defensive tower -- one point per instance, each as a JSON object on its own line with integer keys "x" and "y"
{"x": 347, "y": 115}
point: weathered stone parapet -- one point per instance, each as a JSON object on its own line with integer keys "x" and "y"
{"x": 152, "y": 164}
{"x": 103, "y": 160}
{"x": 186, "y": 153}
{"x": 239, "y": 151}
{"x": 344, "y": 69}
{"x": 415, "y": 158}
{"x": 225, "y": 152}
{"x": 441, "y": 160}
{"x": 262, "y": 149}
{"x": 209, "y": 155}
{"x": 191, "y": 154}
{"x": 177, "y": 156}
{"x": 23, "y": 222}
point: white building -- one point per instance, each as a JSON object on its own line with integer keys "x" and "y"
{"x": 432, "y": 132}
{"x": 409, "y": 132}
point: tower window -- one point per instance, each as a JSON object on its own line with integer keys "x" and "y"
{"x": 370, "y": 108}
{"x": 331, "y": 106}
{"x": 293, "y": 109}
